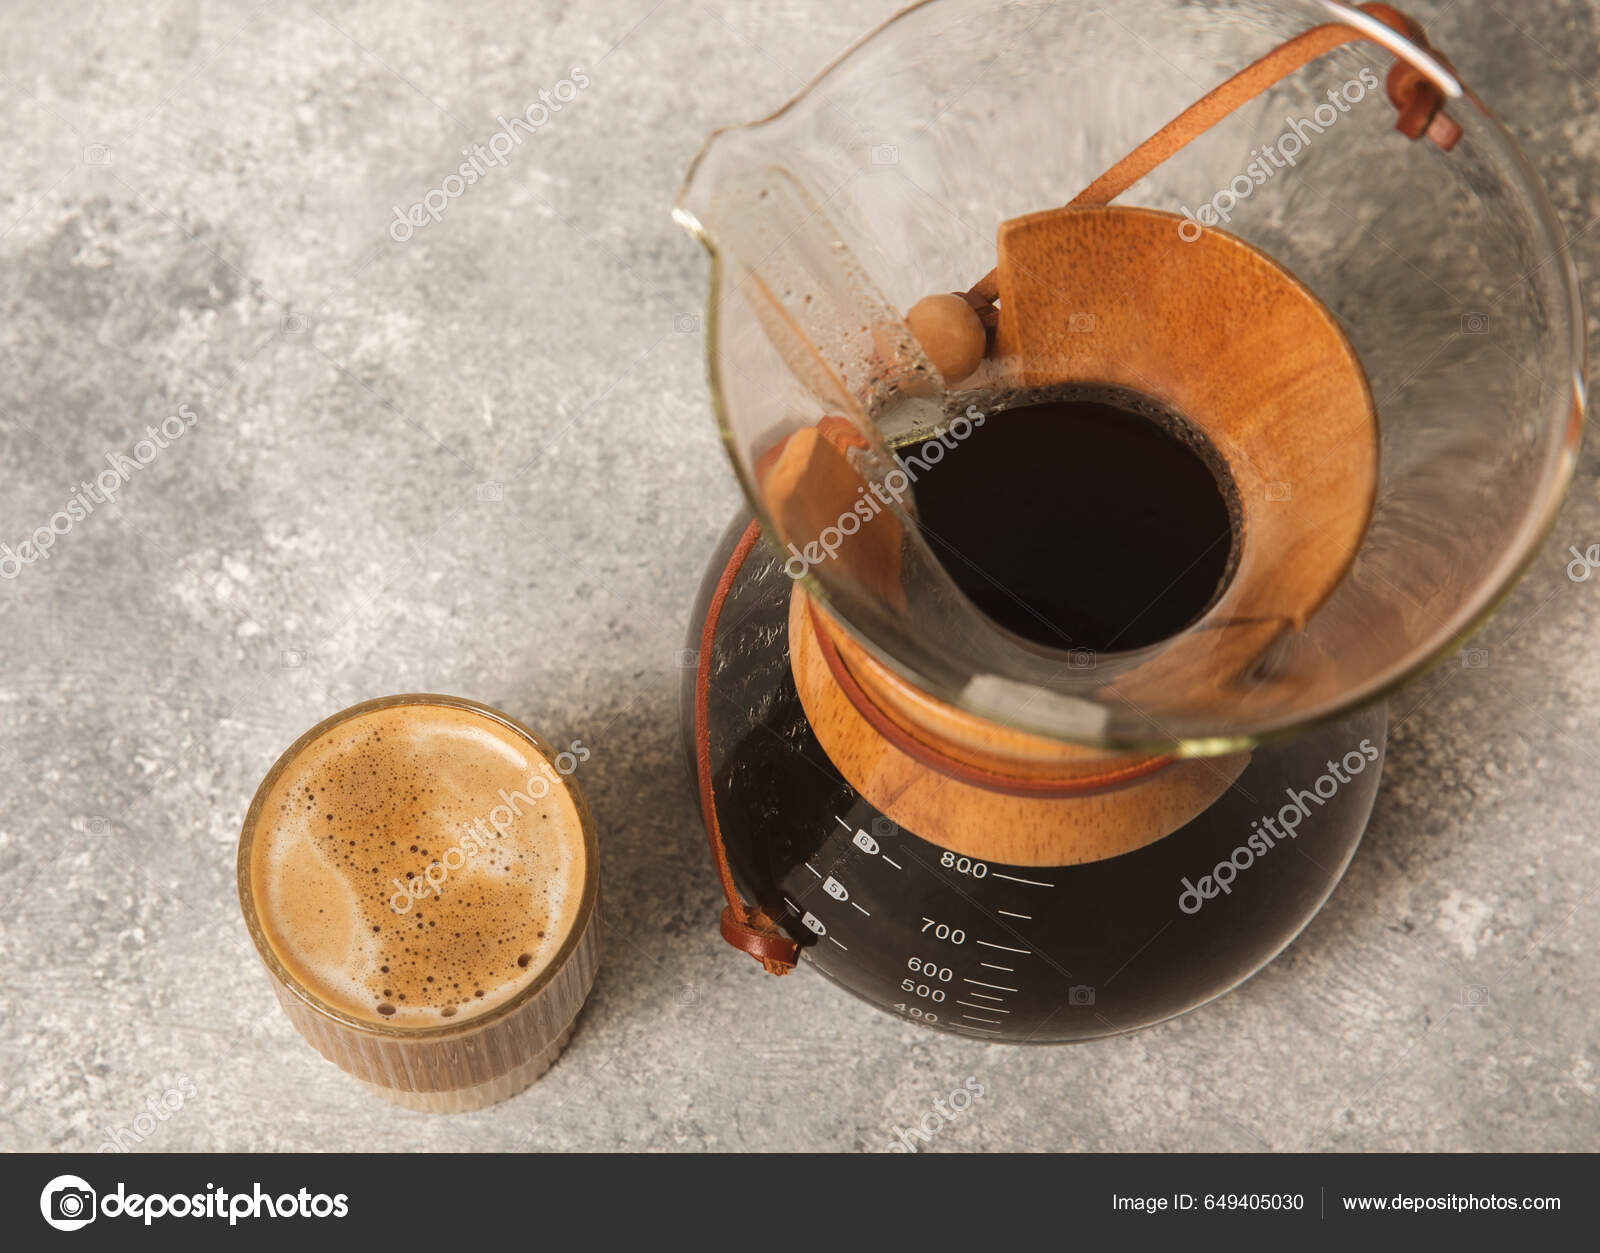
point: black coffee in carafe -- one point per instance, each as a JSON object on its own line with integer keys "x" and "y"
{"x": 1082, "y": 519}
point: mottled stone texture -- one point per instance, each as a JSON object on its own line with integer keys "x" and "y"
{"x": 482, "y": 462}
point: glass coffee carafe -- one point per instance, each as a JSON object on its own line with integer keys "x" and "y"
{"x": 1040, "y": 694}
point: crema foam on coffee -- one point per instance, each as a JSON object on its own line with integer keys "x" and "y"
{"x": 417, "y": 864}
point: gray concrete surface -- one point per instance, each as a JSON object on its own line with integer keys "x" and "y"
{"x": 483, "y": 463}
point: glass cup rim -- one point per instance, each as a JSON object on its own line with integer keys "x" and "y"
{"x": 470, "y": 1024}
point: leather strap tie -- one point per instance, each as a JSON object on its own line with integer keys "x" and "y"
{"x": 746, "y": 927}
{"x": 1417, "y": 98}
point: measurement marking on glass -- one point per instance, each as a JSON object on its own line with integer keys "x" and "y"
{"x": 996, "y": 1021}
{"x": 853, "y": 905}
{"x": 791, "y": 905}
{"x": 1009, "y": 914}
{"x": 843, "y": 823}
{"x": 1010, "y": 970}
{"x": 813, "y": 870}
{"x": 840, "y": 945}
{"x": 1006, "y": 947}
{"x": 993, "y": 1009}
{"x": 961, "y": 1026}
{"x": 987, "y": 997}
{"x": 997, "y": 987}
{"x": 893, "y": 863}
{"x": 1032, "y": 883}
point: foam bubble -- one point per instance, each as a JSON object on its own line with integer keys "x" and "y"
{"x": 406, "y": 793}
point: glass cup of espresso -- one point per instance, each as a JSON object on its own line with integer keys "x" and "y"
{"x": 419, "y": 874}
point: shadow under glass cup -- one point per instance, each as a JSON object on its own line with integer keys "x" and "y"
{"x": 420, "y": 875}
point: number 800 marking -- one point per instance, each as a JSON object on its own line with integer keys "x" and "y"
{"x": 964, "y": 865}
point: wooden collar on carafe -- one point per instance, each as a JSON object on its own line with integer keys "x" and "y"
{"x": 961, "y": 745}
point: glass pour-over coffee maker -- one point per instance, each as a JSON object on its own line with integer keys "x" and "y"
{"x": 1127, "y": 398}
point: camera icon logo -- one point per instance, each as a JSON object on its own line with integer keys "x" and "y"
{"x": 688, "y": 659}
{"x": 1081, "y": 659}
{"x": 1278, "y": 492}
{"x": 885, "y": 154}
{"x": 686, "y": 323}
{"x": 67, "y": 1203}
{"x": 1474, "y": 323}
{"x": 1080, "y": 323}
{"x": 1474, "y": 658}
{"x": 1475, "y": 994}
{"x": 97, "y": 154}
{"x": 1080, "y": 994}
